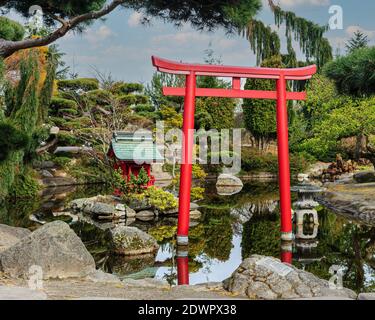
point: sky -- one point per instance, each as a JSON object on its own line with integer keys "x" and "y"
{"x": 122, "y": 47}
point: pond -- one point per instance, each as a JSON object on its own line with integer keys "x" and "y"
{"x": 231, "y": 228}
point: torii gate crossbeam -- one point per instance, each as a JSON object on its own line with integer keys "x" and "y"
{"x": 190, "y": 92}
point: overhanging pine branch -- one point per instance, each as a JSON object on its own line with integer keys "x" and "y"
{"x": 9, "y": 47}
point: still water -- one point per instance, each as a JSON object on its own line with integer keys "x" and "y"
{"x": 231, "y": 228}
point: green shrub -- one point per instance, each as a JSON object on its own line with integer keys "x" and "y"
{"x": 71, "y": 112}
{"x": 78, "y": 123}
{"x": 144, "y": 108}
{"x": 127, "y": 99}
{"x": 11, "y": 139}
{"x": 99, "y": 97}
{"x": 62, "y": 162}
{"x": 25, "y": 185}
{"x": 126, "y": 88}
{"x": 11, "y": 30}
{"x": 160, "y": 199}
{"x": 197, "y": 193}
{"x": 59, "y": 104}
{"x": 58, "y": 121}
{"x": 67, "y": 139}
{"x": 85, "y": 84}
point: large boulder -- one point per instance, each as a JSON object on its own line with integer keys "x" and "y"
{"x": 228, "y": 184}
{"x": 364, "y": 177}
{"x": 145, "y": 215}
{"x": 260, "y": 277}
{"x": 54, "y": 247}
{"x": 11, "y": 235}
{"x": 132, "y": 241}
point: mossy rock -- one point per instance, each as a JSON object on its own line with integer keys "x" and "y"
{"x": 85, "y": 84}
{"x": 132, "y": 241}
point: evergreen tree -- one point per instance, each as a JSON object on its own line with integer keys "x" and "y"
{"x": 359, "y": 40}
{"x": 259, "y": 114}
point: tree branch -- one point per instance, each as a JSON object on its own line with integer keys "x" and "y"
{"x": 7, "y": 48}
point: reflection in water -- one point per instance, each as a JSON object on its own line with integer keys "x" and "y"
{"x": 230, "y": 230}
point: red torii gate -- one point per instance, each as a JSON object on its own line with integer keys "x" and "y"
{"x": 190, "y": 92}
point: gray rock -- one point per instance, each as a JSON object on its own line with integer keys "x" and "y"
{"x": 146, "y": 283}
{"x": 54, "y": 247}
{"x": 260, "y": 277}
{"x": 54, "y": 130}
{"x": 120, "y": 207}
{"x": 20, "y": 293}
{"x": 139, "y": 205}
{"x": 366, "y": 296}
{"x": 195, "y": 214}
{"x": 194, "y": 206}
{"x": 44, "y": 164}
{"x": 132, "y": 241}
{"x": 99, "y": 276}
{"x": 130, "y": 213}
{"x": 364, "y": 177}
{"x": 145, "y": 215}
{"x": 78, "y": 204}
{"x": 11, "y": 235}
{"x": 46, "y": 174}
{"x": 99, "y": 209}
{"x": 228, "y": 180}
{"x": 228, "y": 184}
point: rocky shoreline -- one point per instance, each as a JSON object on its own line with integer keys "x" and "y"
{"x": 55, "y": 260}
{"x": 353, "y": 196}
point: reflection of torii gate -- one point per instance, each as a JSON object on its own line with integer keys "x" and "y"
{"x": 281, "y": 95}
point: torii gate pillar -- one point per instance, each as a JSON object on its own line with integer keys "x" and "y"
{"x": 190, "y": 92}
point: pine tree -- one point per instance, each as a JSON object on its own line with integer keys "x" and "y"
{"x": 359, "y": 40}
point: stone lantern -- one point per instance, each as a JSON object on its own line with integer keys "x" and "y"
{"x": 305, "y": 207}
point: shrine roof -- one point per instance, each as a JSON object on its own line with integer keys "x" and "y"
{"x": 135, "y": 147}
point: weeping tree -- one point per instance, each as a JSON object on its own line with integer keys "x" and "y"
{"x": 265, "y": 42}
{"x": 23, "y": 112}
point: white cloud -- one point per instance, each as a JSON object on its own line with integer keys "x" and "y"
{"x": 294, "y": 3}
{"x": 351, "y": 29}
{"x": 98, "y": 35}
{"x": 135, "y": 19}
{"x": 181, "y": 38}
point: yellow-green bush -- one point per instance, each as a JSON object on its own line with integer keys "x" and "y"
{"x": 160, "y": 199}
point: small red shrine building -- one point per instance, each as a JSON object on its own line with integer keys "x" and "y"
{"x": 131, "y": 152}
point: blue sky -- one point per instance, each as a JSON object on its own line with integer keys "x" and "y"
{"x": 123, "y": 47}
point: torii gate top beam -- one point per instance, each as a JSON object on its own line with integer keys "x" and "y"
{"x": 169, "y": 66}
{"x": 236, "y": 73}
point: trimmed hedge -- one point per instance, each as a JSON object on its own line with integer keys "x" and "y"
{"x": 126, "y": 88}
{"x": 59, "y": 104}
{"x": 130, "y": 99}
{"x": 144, "y": 108}
{"x": 67, "y": 139}
{"x": 99, "y": 97}
{"x": 85, "y": 84}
